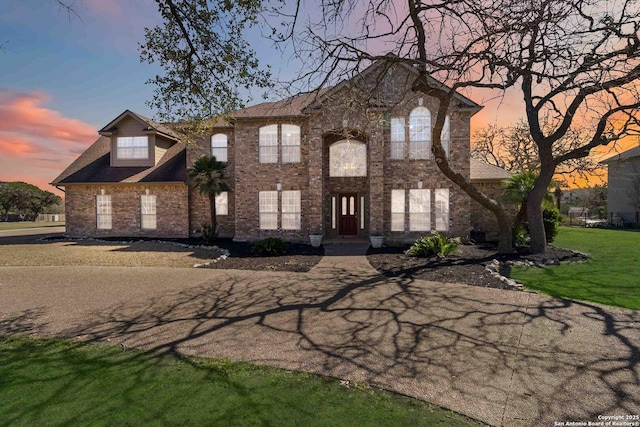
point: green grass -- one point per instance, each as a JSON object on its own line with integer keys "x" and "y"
{"x": 51, "y": 382}
{"x": 611, "y": 276}
{"x": 28, "y": 224}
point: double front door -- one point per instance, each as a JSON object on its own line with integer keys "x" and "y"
{"x": 348, "y": 214}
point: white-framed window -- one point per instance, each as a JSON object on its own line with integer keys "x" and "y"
{"x": 291, "y": 210}
{"x": 419, "y": 210}
{"x": 222, "y": 203}
{"x": 272, "y": 136}
{"x": 290, "y": 143}
{"x": 397, "y": 210}
{"x": 103, "y": 212}
{"x": 132, "y": 147}
{"x": 348, "y": 158}
{"x": 445, "y": 136}
{"x": 268, "y": 208}
{"x": 419, "y": 133}
{"x": 442, "y": 209}
{"x": 268, "y": 144}
{"x": 219, "y": 147}
{"x": 397, "y": 138}
{"x": 148, "y": 220}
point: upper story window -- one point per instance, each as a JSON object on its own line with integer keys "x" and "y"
{"x": 132, "y": 147}
{"x": 219, "y": 147}
{"x": 397, "y": 138}
{"x": 290, "y": 144}
{"x": 419, "y": 133}
{"x": 286, "y": 136}
{"x": 445, "y": 136}
{"x": 348, "y": 158}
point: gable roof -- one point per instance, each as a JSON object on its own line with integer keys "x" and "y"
{"x": 464, "y": 103}
{"x": 629, "y": 154}
{"x": 298, "y": 105}
{"x": 94, "y": 166}
{"x": 151, "y": 126}
{"x": 481, "y": 171}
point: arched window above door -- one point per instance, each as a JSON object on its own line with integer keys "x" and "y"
{"x": 348, "y": 158}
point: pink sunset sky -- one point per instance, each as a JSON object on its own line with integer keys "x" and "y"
{"x": 65, "y": 77}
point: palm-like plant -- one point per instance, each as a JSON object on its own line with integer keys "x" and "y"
{"x": 209, "y": 176}
{"x": 517, "y": 189}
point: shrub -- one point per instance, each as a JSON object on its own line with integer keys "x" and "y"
{"x": 207, "y": 233}
{"x": 433, "y": 245}
{"x": 271, "y": 246}
{"x": 552, "y": 219}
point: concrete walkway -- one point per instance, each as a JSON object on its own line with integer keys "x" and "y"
{"x": 504, "y": 357}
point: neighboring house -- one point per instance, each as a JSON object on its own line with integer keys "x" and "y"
{"x": 623, "y": 191}
{"x": 490, "y": 180}
{"x": 352, "y": 160}
{"x": 575, "y": 195}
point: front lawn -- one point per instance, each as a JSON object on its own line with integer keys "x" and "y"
{"x": 611, "y": 276}
{"x": 29, "y": 224}
{"x": 50, "y": 382}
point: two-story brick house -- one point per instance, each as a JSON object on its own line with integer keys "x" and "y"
{"x": 352, "y": 160}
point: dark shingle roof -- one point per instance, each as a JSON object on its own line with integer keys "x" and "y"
{"x": 94, "y": 166}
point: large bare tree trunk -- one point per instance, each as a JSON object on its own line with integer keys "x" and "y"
{"x": 505, "y": 244}
{"x": 534, "y": 211}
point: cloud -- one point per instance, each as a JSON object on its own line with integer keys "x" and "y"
{"x": 36, "y": 142}
{"x": 23, "y": 113}
{"x": 17, "y": 146}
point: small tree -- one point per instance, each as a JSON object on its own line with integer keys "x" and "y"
{"x": 517, "y": 189}
{"x": 209, "y": 176}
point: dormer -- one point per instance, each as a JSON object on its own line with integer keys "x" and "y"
{"x": 137, "y": 141}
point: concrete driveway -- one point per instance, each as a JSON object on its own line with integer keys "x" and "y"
{"x": 507, "y": 358}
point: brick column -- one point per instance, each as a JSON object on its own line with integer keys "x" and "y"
{"x": 315, "y": 200}
{"x": 376, "y": 181}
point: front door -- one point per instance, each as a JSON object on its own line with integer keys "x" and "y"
{"x": 348, "y": 217}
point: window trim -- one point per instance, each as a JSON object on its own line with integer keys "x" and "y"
{"x": 415, "y": 210}
{"x": 415, "y": 119}
{"x": 146, "y": 217}
{"x": 287, "y": 150}
{"x": 262, "y": 203}
{"x": 292, "y": 144}
{"x": 360, "y": 171}
{"x": 295, "y": 215}
{"x": 267, "y": 145}
{"x": 442, "y": 218}
{"x": 399, "y": 210}
{"x": 133, "y": 147}
{"x": 219, "y": 147}
{"x": 108, "y": 207}
{"x": 398, "y": 137}
{"x": 222, "y": 200}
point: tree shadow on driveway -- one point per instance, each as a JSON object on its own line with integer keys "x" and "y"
{"x": 508, "y": 358}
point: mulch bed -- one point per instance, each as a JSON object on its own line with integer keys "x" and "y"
{"x": 299, "y": 258}
{"x": 467, "y": 266}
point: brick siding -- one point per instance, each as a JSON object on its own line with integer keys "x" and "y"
{"x": 171, "y": 216}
